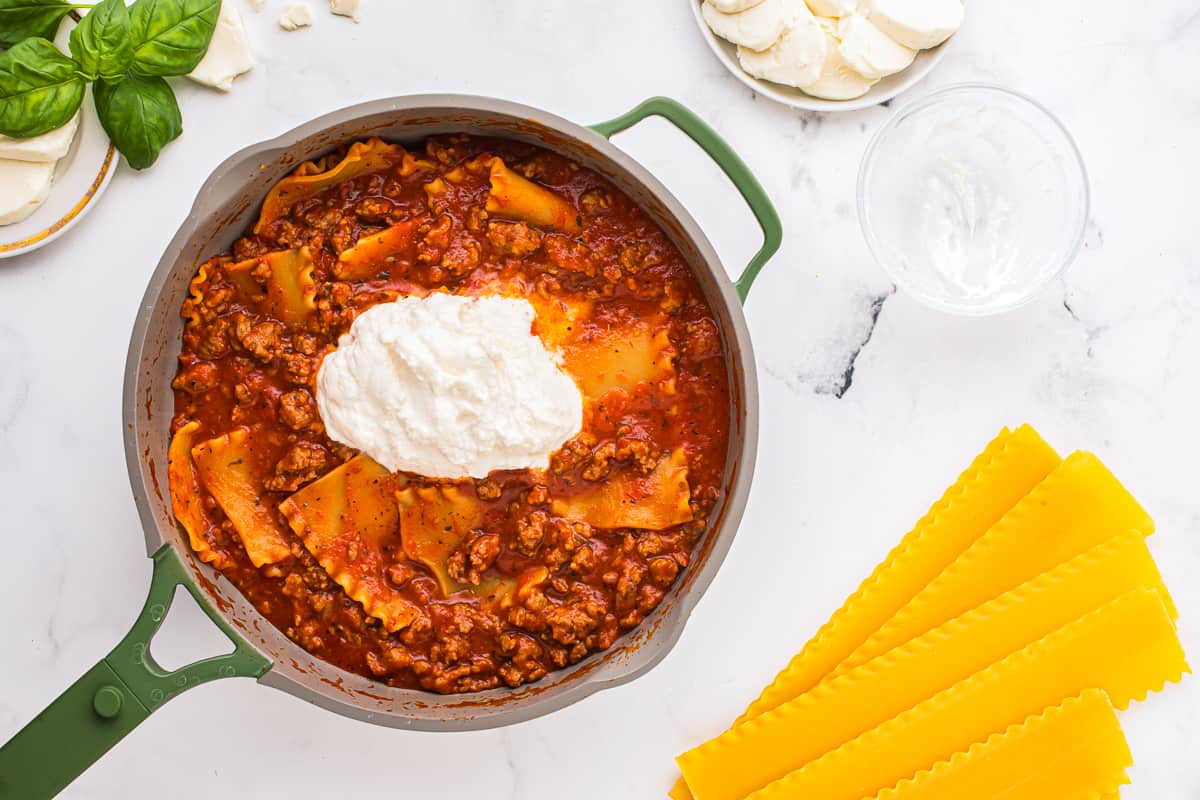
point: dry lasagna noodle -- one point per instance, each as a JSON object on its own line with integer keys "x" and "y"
{"x": 229, "y": 470}
{"x": 841, "y": 708}
{"x": 346, "y": 519}
{"x": 1126, "y": 648}
{"x": 1073, "y": 751}
{"x": 1009, "y": 467}
{"x": 1079, "y": 505}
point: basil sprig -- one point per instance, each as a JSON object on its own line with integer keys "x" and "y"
{"x": 125, "y": 52}
{"x": 22, "y": 19}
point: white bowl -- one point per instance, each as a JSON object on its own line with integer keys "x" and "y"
{"x": 881, "y": 92}
{"x": 80, "y": 177}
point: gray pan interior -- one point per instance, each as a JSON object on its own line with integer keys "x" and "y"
{"x": 226, "y": 205}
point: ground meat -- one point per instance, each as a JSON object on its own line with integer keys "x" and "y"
{"x": 531, "y": 531}
{"x": 196, "y": 378}
{"x": 262, "y": 340}
{"x": 298, "y": 368}
{"x": 297, "y": 409}
{"x": 701, "y": 340}
{"x": 513, "y": 238}
{"x": 249, "y": 247}
{"x": 462, "y": 256}
{"x": 595, "y": 200}
{"x": 345, "y": 234}
{"x": 213, "y": 341}
{"x": 572, "y": 454}
{"x": 434, "y": 240}
{"x": 631, "y": 577}
{"x": 468, "y": 563}
{"x": 663, "y": 570}
{"x": 303, "y": 463}
{"x": 487, "y": 489}
{"x": 376, "y": 210}
{"x": 569, "y": 255}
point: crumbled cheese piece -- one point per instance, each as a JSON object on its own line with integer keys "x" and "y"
{"x": 295, "y": 16}
{"x": 345, "y": 8}
{"x": 228, "y": 53}
{"x": 257, "y": 5}
{"x": 48, "y": 147}
{"x": 448, "y": 386}
{"x": 24, "y": 185}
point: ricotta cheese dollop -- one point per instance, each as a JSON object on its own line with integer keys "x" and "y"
{"x": 448, "y": 386}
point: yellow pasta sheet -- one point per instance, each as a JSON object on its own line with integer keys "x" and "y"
{"x": 841, "y": 708}
{"x": 1125, "y": 648}
{"x": 348, "y": 520}
{"x": 514, "y": 196}
{"x": 1078, "y": 506}
{"x": 1073, "y": 751}
{"x": 434, "y": 522}
{"x": 312, "y": 178}
{"x": 629, "y": 500}
{"x": 232, "y": 473}
{"x": 184, "y": 485}
{"x": 622, "y": 357}
{"x": 396, "y": 245}
{"x": 1007, "y": 469}
{"x": 291, "y": 291}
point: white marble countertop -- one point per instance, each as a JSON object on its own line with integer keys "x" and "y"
{"x": 870, "y": 403}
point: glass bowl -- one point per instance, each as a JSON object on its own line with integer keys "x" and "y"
{"x": 973, "y": 199}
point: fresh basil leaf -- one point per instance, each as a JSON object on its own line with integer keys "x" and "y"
{"x": 100, "y": 42}
{"x": 24, "y": 19}
{"x": 140, "y": 115}
{"x": 170, "y": 37}
{"x": 40, "y": 88}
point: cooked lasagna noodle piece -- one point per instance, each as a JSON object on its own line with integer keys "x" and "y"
{"x": 232, "y": 474}
{"x": 420, "y": 581}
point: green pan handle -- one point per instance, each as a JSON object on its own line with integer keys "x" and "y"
{"x": 115, "y": 695}
{"x": 730, "y": 162}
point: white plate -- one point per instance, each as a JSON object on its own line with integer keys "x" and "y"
{"x": 80, "y": 178}
{"x": 881, "y": 92}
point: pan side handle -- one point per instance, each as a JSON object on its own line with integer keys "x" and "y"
{"x": 111, "y": 698}
{"x": 730, "y": 163}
